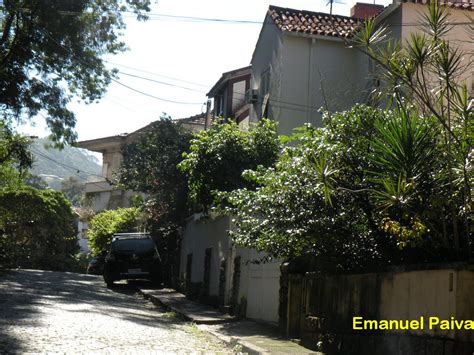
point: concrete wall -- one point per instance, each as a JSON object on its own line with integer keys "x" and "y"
{"x": 112, "y": 160}
{"x": 321, "y": 305}
{"x": 199, "y": 235}
{"x": 267, "y": 56}
{"x": 458, "y": 36}
{"x": 108, "y": 198}
{"x": 318, "y": 72}
{"x": 258, "y": 284}
{"x": 82, "y": 238}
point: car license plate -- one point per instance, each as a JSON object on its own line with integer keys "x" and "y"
{"x": 134, "y": 271}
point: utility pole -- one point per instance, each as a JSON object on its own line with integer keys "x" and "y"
{"x": 207, "y": 123}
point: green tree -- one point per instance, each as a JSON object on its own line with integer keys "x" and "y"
{"x": 150, "y": 167}
{"x": 218, "y": 157}
{"x": 105, "y": 224}
{"x": 360, "y": 192}
{"x": 53, "y": 50}
{"x": 15, "y": 158}
{"x": 426, "y": 71}
{"x": 37, "y": 229}
{"x": 304, "y": 206}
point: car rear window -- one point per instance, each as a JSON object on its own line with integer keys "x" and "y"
{"x": 133, "y": 245}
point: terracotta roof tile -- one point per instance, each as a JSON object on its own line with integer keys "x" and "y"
{"x": 456, "y": 4}
{"x": 196, "y": 119}
{"x": 316, "y": 23}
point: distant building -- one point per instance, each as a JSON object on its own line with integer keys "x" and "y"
{"x": 229, "y": 97}
{"x": 82, "y": 223}
{"x": 100, "y": 193}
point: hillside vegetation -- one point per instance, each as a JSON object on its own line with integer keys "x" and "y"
{"x": 54, "y": 165}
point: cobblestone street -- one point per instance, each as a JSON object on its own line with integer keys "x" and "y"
{"x": 43, "y": 311}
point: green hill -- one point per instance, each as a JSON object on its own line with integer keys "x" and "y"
{"x": 54, "y": 165}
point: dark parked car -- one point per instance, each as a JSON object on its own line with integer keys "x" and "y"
{"x": 132, "y": 256}
{"x": 96, "y": 265}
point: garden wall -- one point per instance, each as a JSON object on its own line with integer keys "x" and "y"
{"x": 321, "y": 308}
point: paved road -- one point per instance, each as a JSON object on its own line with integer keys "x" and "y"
{"x": 43, "y": 311}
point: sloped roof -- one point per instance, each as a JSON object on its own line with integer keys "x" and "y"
{"x": 315, "y": 23}
{"x": 455, "y": 4}
{"x": 104, "y": 143}
{"x": 226, "y": 77}
{"x": 199, "y": 119}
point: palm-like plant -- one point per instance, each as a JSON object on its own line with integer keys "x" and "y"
{"x": 425, "y": 72}
{"x": 405, "y": 156}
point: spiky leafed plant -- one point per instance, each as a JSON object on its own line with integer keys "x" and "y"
{"x": 426, "y": 71}
{"x": 406, "y": 157}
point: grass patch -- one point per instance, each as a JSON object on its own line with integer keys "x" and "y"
{"x": 170, "y": 315}
{"x": 194, "y": 330}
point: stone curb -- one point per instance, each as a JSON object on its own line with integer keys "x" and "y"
{"x": 230, "y": 341}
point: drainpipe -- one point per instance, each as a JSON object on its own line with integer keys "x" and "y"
{"x": 310, "y": 81}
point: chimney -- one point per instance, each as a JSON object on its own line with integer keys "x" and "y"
{"x": 364, "y": 11}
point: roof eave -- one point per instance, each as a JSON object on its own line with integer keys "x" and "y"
{"x": 310, "y": 35}
{"x": 101, "y": 144}
{"x": 386, "y": 12}
{"x": 226, "y": 77}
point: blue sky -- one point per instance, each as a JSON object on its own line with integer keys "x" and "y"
{"x": 186, "y": 56}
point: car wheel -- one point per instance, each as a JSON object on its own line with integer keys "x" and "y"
{"x": 109, "y": 281}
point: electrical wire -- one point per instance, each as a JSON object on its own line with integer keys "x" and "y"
{"x": 77, "y": 170}
{"x": 158, "y": 16}
{"x": 273, "y": 101}
{"x": 156, "y": 74}
{"x": 160, "y": 82}
{"x": 115, "y": 80}
{"x": 163, "y": 99}
{"x": 73, "y": 169}
{"x": 155, "y": 97}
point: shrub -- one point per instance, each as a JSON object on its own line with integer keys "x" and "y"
{"x": 105, "y": 224}
{"x": 36, "y": 228}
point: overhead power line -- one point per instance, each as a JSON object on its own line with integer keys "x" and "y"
{"x": 80, "y": 173}
{"x": 158, "y": 16}
{"x": 73, "y": 168}
{"x": 156, "y": 74}
{"x": 115, "y": 80}
{"x": 160, "y": 98}
{"x": 195, "y": 19}
{"x": 155, "y": 97}
{"x": 160, "y": 82}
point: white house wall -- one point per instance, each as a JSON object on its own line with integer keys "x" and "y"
{"x": 259, "y": 285}
{"x": 306, "y": 73}
{"x": 267, "y": 56}
{"x": 317, "y": 72}
{"x": 197, "y": 237}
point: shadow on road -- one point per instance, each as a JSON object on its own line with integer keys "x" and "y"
{"x": 27, "y": 294}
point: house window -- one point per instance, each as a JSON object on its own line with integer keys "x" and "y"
{"x": 265, "y": 83}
